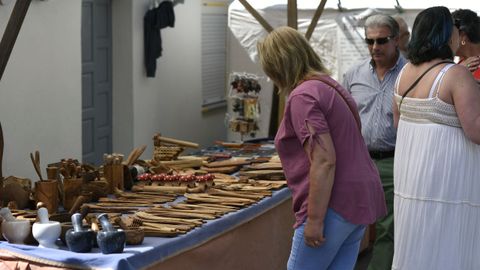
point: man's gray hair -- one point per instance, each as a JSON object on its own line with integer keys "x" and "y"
{"x": 381, "y": 20}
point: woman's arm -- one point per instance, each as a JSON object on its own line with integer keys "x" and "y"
{"x": 321, "y": 152}
{"x": 465, "y": 94}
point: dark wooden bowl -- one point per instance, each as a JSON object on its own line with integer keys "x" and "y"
{"x": 135, "y": 236}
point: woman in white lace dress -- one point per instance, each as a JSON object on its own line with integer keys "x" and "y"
{"x": 437, "y": 156}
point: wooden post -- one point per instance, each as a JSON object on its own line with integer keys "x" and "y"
{"x": 292, "y": 21}
{"x": 315, "y": 18}
{"x": 257, "y": 16}
{"x": 292, "y": 14}
{"x": 11, "y": 32}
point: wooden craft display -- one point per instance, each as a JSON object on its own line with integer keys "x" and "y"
{"x": 113, "y": 171}
{"x": 72, "y": 188}
{"x": 70, "y": 172}
{"x": 46, "y": 191}
{"x": 16, "y": 190}
{"x": 244, "y": 94}
{"x": 169, "y": 148}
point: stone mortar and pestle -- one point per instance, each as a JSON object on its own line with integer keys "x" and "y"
{"x": 79, "y": 239}
{"x": 14, "y": 230}
{"x": 109, "y": 239}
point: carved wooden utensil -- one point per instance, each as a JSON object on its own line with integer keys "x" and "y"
{"x": 1, "y": 155}
{"x": 1, "y": 161}
{"x": 36, "y": 163}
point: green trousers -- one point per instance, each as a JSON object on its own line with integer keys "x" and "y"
{"x": 382, "y": 255}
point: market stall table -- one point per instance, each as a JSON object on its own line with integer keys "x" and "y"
{"x": 256, "y": 237}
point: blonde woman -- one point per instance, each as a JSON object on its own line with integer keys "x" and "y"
{"x": 335, "y": 186}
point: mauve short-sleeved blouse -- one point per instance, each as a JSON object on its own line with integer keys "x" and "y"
{"x": 357, "y": 193}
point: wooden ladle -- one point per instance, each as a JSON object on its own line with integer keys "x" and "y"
{"x": 36, "y": 163}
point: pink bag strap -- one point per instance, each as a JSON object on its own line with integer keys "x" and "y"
{"x": 327, "y": 82}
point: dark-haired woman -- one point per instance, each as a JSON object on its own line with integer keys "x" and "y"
{"x": 468, "y": 24}
{"x": 437, "y": 155}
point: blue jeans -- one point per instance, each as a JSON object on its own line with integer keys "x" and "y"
{"x": 339, "y": 251}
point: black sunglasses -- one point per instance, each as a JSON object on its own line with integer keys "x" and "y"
{"x": 379, "y": 41}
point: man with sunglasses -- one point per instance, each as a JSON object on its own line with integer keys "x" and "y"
{"x": 371, "y": 84}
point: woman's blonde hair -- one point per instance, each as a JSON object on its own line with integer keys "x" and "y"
{"x": 287, "y": 58}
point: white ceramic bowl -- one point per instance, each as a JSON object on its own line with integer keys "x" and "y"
{"x": 47, "y": 233}
{"x": 16, "y": 231}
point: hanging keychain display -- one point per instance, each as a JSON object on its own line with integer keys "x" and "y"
{"x": 244, "y": 93}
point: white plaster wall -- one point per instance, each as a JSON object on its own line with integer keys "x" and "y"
{"x": 122, "y": 76}
{"x": 171, "y": 102}
{"x": 40, "y": 92}
{"x": 40, "y": 102}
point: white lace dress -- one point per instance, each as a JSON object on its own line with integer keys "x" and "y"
{"x": 437, "y": 188}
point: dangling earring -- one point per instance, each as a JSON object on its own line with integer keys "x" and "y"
{"x": 463, "y": 42}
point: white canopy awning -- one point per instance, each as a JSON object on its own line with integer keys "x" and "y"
{"x": 355, "y": 4}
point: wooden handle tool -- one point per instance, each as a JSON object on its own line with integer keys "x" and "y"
{"x": 129, "y": 160}
{"x": 36, "y": 164}
{"x": 179, "y": 142}
{"x": 1, "y": 154}
{"x": 134, "y": 155}
{"x": 78, "y": 202}
{"x": 139, "y": 152}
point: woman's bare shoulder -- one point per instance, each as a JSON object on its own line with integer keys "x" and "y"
{"x": 458, "y": 76}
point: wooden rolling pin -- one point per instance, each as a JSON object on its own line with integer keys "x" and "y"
{"x": 178, "y": 142}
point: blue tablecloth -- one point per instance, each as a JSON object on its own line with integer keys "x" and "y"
{"x": 153, "y": 249}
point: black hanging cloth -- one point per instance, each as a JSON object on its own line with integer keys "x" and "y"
{"x": 154, "y": 20}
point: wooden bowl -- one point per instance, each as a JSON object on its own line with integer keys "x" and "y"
{"x": 135, "y": 236}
